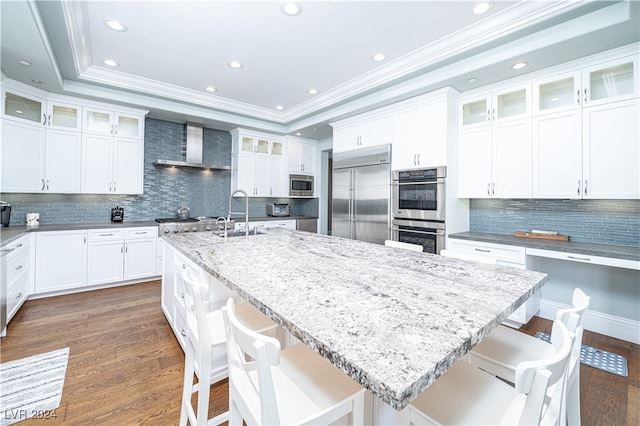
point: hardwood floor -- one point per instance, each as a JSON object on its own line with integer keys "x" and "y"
{"x": 125, "y": 365}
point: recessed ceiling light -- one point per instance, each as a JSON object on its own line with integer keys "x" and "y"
{"x": 312, "y": 91}
{"x": 235, "y": 65}
{"x": 472, "y": 80}
{"x": 36, "y": 81}
{"x": 111, "y": 63}
{"x": 115, "y": 25}
{"x": 315, "y": 128}
{"x": 291, "y": 9}
{"x": 482, "y": 7}
{"x": 298, "y": 134}
{"x": 25, "y": 63}
{"x": 279, "y": 107}
{"x": 378, "y": 57}
{"x": 211, "y": 89}
{"x": 519, "y": 65}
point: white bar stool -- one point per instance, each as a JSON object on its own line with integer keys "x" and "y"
{"x": 270, "y": 386}
{"x": 501, "y": 352}
{"x": 465, "y": 394}
{"x": 206, "y": 348}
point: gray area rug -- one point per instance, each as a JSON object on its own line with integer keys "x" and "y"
{"x": 597, "y": 358}
{"x": 32, "y": 386}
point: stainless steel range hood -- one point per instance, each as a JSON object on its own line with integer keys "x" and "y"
{"x": 194, "y": 136}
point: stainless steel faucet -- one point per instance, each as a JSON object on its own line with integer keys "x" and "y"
{"x": 225, "y": 221}
{"x": 246, "y": 209}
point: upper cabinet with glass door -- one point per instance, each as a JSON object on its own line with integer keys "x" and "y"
{"x": 115, "y": 123}
{"x": 508, "y": 104}
{"x": 603, "y": 83}
{"x": 63, "y": 115}
{"x": 24, "y": 107}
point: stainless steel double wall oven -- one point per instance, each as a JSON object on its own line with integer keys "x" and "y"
{"x": 419, "y": 207}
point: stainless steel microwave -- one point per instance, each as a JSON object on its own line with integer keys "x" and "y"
{"x": 301, "y": 186}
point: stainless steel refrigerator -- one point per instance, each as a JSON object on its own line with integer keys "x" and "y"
{"x": 361, "y": 194}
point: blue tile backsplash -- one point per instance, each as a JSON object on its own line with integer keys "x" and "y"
{"x": 593, "y": 221}
{"x": 205, "y": 192}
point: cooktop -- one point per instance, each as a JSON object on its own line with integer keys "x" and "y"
{"x": 176, "y": 220}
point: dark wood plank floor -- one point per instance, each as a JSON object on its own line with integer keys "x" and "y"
{"x": 125, "y": 365}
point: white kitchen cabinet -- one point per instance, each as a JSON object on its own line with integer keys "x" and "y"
{"x": 23, "y": 157}
{"x": 62, "y": 114}
{"x": 301, "y": 156}
{"x": 362, "y": 131}
{"x": 586, "y": 138}
{"x": 112, "y": 165}
{"x": 19, "y": 274}
{"x": 63, "y": 156}
{"x": 258, "y": 164}
{"x": 121, "y": 254}
{"x": 282, "y": 223}
{"x": 61, "y": 260}
{"x": 494, "y": 145}
{"x": 505, "y": 255}
{"x": 24, "y": 106}
{"x": 422, "y": 131}
{"x": 105, "y": 122}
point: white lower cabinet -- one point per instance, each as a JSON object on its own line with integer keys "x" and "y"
{"x": 121, "y": 255}
{"x": 19, "y": 274}
{"x": 61, "y": 260}
{"x": 284, "y": 223}
{"x": 504, "y": 255}
{"x": 66, "y": 260}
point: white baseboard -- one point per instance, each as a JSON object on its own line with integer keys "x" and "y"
{"x": 609, "y": 325}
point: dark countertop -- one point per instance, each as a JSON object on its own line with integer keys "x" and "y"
{"x": 589, "y": 249}
{"x": 11, "y": 233}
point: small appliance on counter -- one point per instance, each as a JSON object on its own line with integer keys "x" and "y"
{"x": 278, "y": 210}
{"x": 183, "y": 213}
{"x": 117, "y": 214}
{"x": 5, "y": 208}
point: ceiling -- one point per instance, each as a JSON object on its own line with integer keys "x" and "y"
{"x": 172, "y": 50}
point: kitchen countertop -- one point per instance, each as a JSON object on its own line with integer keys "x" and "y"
{"x": 394, "y": 320}
{"x": 10, "y": 233}
{"x": 589, "y": 249}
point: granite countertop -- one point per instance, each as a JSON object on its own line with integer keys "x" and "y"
{"x": 588, "y": 249}
{"x": 394, "y": 320}
{"x": 10, "y": 233}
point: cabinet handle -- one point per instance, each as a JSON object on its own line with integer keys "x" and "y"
{"x": 586, "y": 182}
{"x": 126, "y": 248}
{"x": 489, "y": 188}
{"x": 488, "y": 115}
{"x": 141, "y": 233}
{"x": 418, "y": 160}
{"x": 47, "y": 184}
{"x": 184, "y": 266}
{"x": 493, "y": 188}
{"x": 18, "y": 267}
{"x": 85, "y": 240}
{"x": 115, "y": 129}
{"x": 578, "y": 97}
{"x": 44, "y": 119}
{"x": 585, "y": 96}
{"x": 19, "y": 295}
{"x": 493, "y": 114}
{"x": 184, "y": 333}
{"x": 49, "y": 121}
{"x": 18, "y": 246}
{"x": 586, "y": 259}
{"x": 106, "y": 235}
{"x": 578, "y": 187}
{"x": 42, "y": 189}
{"x": 482, "y": 250}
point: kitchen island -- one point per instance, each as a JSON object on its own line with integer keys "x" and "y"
{"x": 393, "y": 320}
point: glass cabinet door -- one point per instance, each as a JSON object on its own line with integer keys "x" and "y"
{"x": 613, "y": 81}
{"x": 128, "y": 126}
{"x": 63, "y": 116}
{"x": 475, "y": 112}
{"x": 511, "y": 103}
{"x": 246, "y": 144}
{"x": 262, "y": 146}
{"x": 97, "y": 121}
{"x": 557, "y": 93}
{"x": 277, "y": 149}
{"x": 23, "y": 107}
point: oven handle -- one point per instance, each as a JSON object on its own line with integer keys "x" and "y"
{"x": 422, "y": 182}
{"x": 437, "y": 233}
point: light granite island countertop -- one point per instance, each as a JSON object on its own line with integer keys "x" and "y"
{"x": 394, "y": 320}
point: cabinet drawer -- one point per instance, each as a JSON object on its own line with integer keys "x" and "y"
{"x": 106, "y": 234}
{"x": 146, "y": 232}
{"x": 16, "y": 295}
{"x": 502, "y": 253}
{"x": 18, "y": 264}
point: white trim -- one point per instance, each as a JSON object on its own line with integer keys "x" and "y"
{"x": 609, "y": 325}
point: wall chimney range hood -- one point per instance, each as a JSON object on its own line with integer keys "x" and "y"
{"x": 194, "y": 136}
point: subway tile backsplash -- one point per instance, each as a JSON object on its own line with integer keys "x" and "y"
{"x": 593, "y": 221}
{"x": 205, "y": 192}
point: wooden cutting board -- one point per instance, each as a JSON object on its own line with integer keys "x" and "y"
{"x": 523, "y": 234}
